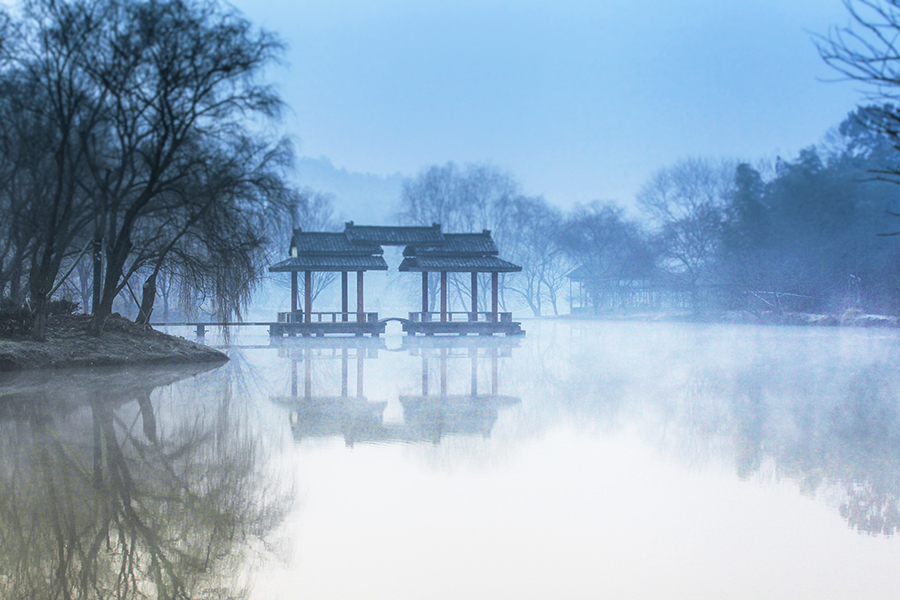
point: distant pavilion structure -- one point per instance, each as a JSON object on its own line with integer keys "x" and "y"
{"x": 427, "y": 250}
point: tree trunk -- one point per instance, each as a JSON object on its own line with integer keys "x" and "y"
{"x": 39, "y": 306}
{"x": 148, "y": 297}
{"x": 15, "y": 283}
{"x": 98, "y": 273}
{"x": 115, "y": 264}
{"x": 41, "y": 283}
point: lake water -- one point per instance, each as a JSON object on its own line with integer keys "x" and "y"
{"x": 584, "y": 460}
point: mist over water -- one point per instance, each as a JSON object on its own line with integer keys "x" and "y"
{"x": 587, "y": 459}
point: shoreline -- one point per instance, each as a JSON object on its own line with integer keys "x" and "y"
{"x": 123, "y": 344}
{"x": 850, "y": 318}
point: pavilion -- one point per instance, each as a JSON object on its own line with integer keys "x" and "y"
{"x": 427, "y": 250}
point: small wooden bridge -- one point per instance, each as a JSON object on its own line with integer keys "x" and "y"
{"x": 200, "y": 327}
{"x": 336, "y": 323}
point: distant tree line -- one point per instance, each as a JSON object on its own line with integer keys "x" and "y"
{"x": 801, "y": 234}
{"x": 131, "y": 154}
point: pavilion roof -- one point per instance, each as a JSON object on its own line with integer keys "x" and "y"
{"x": 330, "y": 263}
{"x": 458, "y": 264}
{"x": 318, "y": 243}
{"x": 457, "y": 244}
{"x": 393, "y": 236}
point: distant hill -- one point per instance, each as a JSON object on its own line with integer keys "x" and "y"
{"x": 364, "y": 198}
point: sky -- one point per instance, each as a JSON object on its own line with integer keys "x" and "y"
{"x": 579, "y": 100}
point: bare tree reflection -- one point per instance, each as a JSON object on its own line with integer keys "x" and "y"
{"x": 100, "y": 501}
{"x": 840, "y": 432}
{"x": 830, "y": 426}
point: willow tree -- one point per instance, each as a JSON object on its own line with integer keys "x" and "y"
{"x": 178, "y": 83}
{"x": 143, "y": 120}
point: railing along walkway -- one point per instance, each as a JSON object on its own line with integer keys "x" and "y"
{"x": 460, "y": 316}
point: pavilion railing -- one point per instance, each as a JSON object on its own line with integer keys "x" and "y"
{"x": 459, "y": 316}
{"x": 327, "y": 317}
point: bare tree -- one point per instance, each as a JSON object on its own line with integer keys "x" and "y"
{"x": 215, "y": 230}
{"x": 49, "y": 99}
{"x": 468, "y": 199}
{"x": 177, "y": 83}
{"x": 868, "y": 51}
{"x": 461, "y": 200}
{"x": 533, "y": 240}
{"x": 686, "y": 202}
{"x": 136, "y": 122}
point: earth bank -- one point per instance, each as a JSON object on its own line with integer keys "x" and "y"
{"x": 123, "y": 343}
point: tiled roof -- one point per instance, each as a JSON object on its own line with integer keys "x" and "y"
{"x": 358, "y": 248}
{"x": 457, "y": 244}
{"x": 331, "y": 244}
{"x": 458, "y": 264}
{"x": 394, "y": 236}
{"x": 330, "y": 263}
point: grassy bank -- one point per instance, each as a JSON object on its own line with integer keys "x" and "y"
{"x": 123, "y": 344}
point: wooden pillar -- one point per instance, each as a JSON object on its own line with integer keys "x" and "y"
{"x": 495, "y": 296}
{"x": 424, "y": 293}
{"x": 474, "y": 316}
{"x": 344, "y": 302}
{"x": 424, "y": 374}
{"x": 443, "y": 296}
{"x": 307, "y": 295}
{"x": 360, "y": 309}
{"x": 294, "y": 378}
{"x": 294, "y": 292}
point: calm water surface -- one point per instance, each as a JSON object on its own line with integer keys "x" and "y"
{"x": 585, "y": 460}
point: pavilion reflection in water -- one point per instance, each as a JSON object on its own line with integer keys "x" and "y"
{"x": 427, "y": 416}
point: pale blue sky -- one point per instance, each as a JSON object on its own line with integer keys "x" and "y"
{"x": 579, "y": 100}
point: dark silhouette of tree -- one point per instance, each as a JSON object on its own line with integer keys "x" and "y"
{"x": 177, "y": 84}
{"x": 746, "y": 235}
{"x": 49, "y": 98}
{"x": 867, "y": 51}
{"x": 143, "y": 119}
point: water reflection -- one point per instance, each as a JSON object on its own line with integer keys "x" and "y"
{"x": 838, "y": 434}
{"x": 819, "y": 408}
{"x": 427, "y": 416}
{"x": 110, "y": 489}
